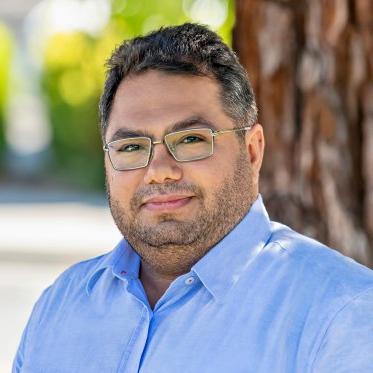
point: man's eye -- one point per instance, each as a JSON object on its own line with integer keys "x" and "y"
{"x": 191, "y": 139}
{"x": 130, "y": 148}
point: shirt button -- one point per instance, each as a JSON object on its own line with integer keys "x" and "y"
{"x": 189, "y": 280}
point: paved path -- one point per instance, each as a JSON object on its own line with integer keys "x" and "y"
{"x": 42, "y": 233}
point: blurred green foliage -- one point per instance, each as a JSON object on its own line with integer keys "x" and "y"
{"x": 73, "y": 78}
{"x": 6, "y": 44}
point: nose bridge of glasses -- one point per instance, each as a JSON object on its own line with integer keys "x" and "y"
{"x": 168, "y": 146}
{"x": 157, "y": 142}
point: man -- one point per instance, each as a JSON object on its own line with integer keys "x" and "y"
{"x": 203, "y": 281}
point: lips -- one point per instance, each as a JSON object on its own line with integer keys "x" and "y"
{"x": 166, "y": 202}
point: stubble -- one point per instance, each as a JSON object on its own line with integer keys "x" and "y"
{"x": 173, "y": 246}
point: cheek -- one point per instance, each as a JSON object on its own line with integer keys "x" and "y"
{"x": 207, "y": 174}
{"x": 121, "y": 185}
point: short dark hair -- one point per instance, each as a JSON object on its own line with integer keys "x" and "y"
{"x": 190, "y": 49}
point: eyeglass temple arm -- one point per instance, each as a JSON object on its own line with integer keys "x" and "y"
{"x": 217, "y": 133}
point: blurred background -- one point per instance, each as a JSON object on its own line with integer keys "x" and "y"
{"x": 311, "y": 65}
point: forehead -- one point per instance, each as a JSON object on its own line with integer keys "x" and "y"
{"x": 154, "y": 101}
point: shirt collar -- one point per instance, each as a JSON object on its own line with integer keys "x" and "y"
{"x": 122, "y": 260}
{"x": 221, "y": 268}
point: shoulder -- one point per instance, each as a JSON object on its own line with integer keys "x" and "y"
{"x": 79, "y": 273}
{"x": 334, "y": 292}
{"x": 71, "y": 283}
{"x": 320, "y": 265}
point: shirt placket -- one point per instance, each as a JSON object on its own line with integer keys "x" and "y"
{"x": 136, "y": 348}
{"x": 132, "y": 355}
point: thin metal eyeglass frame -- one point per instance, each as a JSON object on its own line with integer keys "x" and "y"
{"x": 164, "y": 141}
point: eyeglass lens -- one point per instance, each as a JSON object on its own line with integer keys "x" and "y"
{"x": 188, "y": 145}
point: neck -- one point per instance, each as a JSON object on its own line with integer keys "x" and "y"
{"x": 155, "y": 283}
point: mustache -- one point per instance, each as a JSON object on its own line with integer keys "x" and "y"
{"x": 162, "y": 189}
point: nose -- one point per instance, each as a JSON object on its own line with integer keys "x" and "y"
{"x": 162, "y": 168}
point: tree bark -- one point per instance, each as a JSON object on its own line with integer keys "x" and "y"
{"x": 311, "y": 66}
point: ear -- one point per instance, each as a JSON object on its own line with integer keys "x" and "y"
{"x": 255, "y": 146}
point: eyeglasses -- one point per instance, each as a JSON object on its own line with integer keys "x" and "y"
{"x": 188, "y": 145}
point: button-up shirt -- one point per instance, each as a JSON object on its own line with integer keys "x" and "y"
{"x": 264, "y": 299}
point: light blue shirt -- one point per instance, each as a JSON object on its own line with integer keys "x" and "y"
{"x": 265, "y": 299}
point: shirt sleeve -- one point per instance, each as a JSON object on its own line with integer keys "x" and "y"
{"x": 27, "y": 333}
{"x": 347, "y": 345}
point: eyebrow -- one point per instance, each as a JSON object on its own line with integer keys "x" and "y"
{"x": 124, "y": 132}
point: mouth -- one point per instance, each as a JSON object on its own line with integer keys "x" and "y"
{"x": 166, "y": 202}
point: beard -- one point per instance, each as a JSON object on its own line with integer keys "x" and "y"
{"x": 172, "y": 245}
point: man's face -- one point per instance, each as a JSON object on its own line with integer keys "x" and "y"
{"x": 173, "y": 212}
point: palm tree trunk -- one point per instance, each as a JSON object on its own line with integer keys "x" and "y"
{"x": 311, "y": 65}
